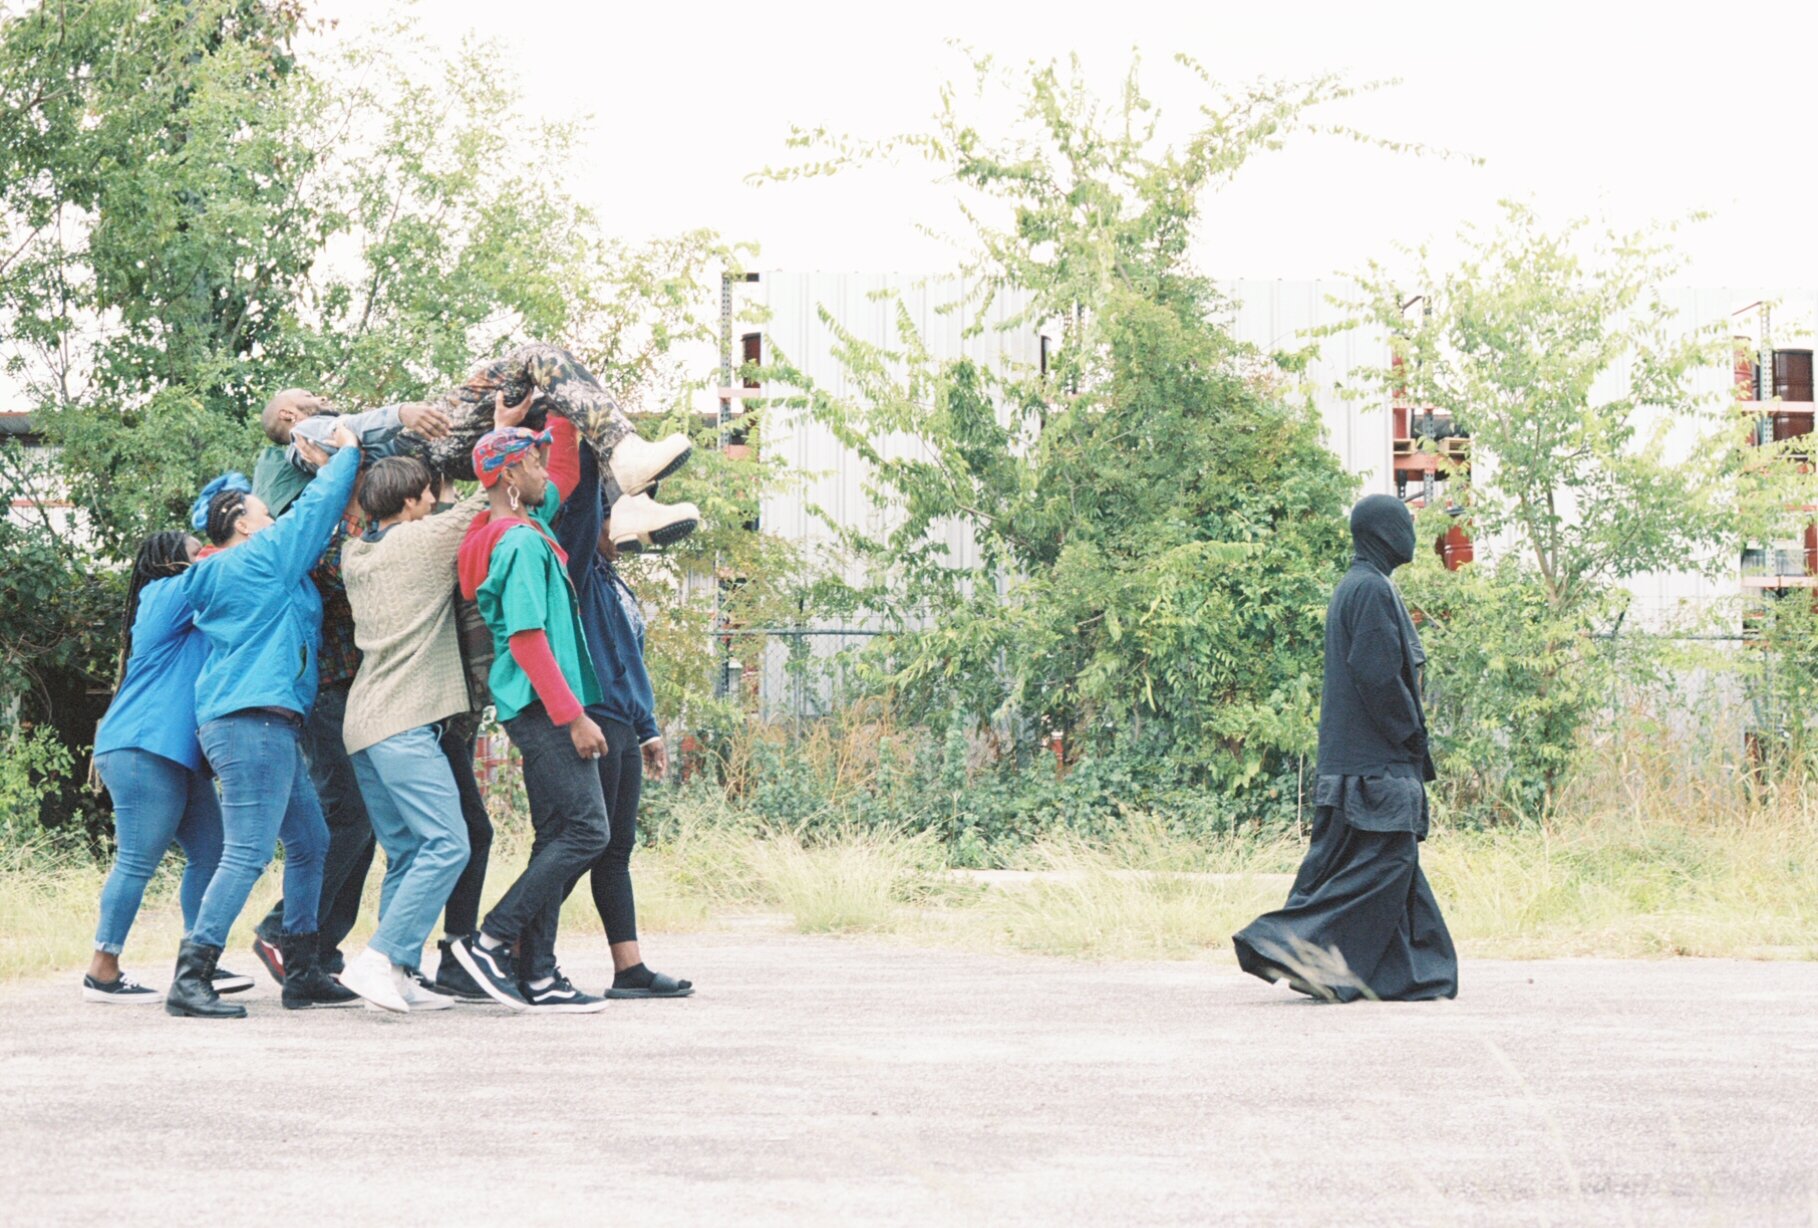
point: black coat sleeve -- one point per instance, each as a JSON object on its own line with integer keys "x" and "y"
{"x": 1374, "y": 662}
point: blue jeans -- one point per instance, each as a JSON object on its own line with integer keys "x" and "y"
{"x": 266, "y": 796}
{"x": 155, "y": 801}
{"x": 416, "y": 815}
{"x": 349, "y": 830}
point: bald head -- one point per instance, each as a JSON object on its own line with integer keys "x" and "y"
{"x": 287, "y": 408}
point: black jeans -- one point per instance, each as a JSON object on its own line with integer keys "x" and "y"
{"x": 350, "y": 839}
{"x": 463, "y": 915}
{"x": 621, "y": 783}
{"x": 568, "y": 815}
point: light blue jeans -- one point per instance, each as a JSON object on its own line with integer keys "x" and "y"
{"x": 156, "y": 800}
{"x": 416, "y": 814}
{"x": 266, "y": 796}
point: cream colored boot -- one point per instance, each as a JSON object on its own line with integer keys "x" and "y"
{"x": 636, "y": 463}
{"x": 639, "y": 523}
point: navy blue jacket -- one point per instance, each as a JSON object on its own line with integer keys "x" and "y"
{"x": 610, "y": 617}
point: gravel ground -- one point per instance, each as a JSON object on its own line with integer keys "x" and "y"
{"x": 830, "y": 1080}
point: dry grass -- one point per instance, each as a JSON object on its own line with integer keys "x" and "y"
{"x": 1650, "y": 866}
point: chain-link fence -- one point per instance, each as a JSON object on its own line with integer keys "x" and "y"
{"x": 789, "y": 673}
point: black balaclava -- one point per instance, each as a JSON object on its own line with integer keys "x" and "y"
{"x": 1382, "y": 532}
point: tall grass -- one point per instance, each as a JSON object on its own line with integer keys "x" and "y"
{"x": 1649, "y": 858}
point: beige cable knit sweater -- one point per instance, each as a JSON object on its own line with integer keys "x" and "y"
{"x": 402, "y": 591}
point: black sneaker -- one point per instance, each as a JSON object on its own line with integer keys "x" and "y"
{"x": 561, "y": 997}
{"x": 453, "y": 979}
{"x": 270, "y": 955}
{"x": 118, "y": 992}
{"x": 226, "y": 982}
{"x": 491, "y": 970}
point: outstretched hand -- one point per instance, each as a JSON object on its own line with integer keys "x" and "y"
{"x": 504, "y": 415}
{"x": 426, "y": 421}
{"x": 311, "y": 451}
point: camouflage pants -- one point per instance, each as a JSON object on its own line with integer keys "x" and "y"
{"x": 568, "y": 388}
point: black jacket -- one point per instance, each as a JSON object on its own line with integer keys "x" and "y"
{"x": 1371, "y": 722}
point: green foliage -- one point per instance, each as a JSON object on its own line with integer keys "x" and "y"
{"x": 194, "y": 214}
{"x": 1156, "y": 526}
{"x": 1560, "y": 355}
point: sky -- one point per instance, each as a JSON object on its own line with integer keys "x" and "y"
{"x": 1627, "y": 112}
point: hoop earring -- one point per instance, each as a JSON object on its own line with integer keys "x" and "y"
{"x": 511, "y": 497}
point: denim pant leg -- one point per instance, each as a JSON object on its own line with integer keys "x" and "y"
{"x": 463, "y": 915}
{"x": 149, "y": 793}
{"x": 350, "y": 842}
{"x": 306, "y": 840}
{"x": 200, "y": 836}
{"x": 569, "y": 816}
{"x": 255, "y": 757}
{"x": 416, "y": 814}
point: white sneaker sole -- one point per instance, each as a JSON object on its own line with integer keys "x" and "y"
{"x": 120, "y": 999}
{"x": 569, "y": 1008}
{"x": 424, "y": 1003}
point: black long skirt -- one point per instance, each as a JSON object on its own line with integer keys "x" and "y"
{"x": 1360, "y": 921}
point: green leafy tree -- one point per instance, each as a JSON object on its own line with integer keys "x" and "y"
{"x": 194, "y": 214}
{"x": 1157, "y": 520}
{"x": 1595, "y": 460}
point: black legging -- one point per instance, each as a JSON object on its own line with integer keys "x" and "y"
{"x": 621, "y": 781}
{"x": 463, "y": 916}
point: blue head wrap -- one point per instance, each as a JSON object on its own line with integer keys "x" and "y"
{"x": 198, "y": 511}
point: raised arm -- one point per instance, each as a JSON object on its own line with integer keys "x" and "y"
{"x": 577, "y": 529}
{"x": 441, "y": 535}
{"x": 293, "y": 544}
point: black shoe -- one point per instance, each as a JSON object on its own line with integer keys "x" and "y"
{"x": 118, "y": 992}
{"x": 306, "y": 985}
{"x": 230, "y": 982}
{"x": 453, "y": 979}
{"x": 561, "y": 997}
{"x": 271, "y": 955}
{"x": 491, "y": 970}
{"x": 333, "y": 962}
{"x": 191, "y": 992}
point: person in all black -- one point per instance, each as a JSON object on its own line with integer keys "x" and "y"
{"x": 1360, "y": 920}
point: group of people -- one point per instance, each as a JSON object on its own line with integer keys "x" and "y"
{"x": 313, "y": 674}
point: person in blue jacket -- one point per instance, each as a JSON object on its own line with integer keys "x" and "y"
{"x": 147, "y": 756}
{"x": 263, "y": 621}
{"x": 613, "y": 624}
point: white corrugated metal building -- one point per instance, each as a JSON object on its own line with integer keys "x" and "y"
{"x": 1273, "y": 315}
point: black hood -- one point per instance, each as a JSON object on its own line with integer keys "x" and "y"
{"x": 1382, "y": 532}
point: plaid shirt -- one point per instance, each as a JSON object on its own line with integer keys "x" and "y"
{"x": 340, "y": 659}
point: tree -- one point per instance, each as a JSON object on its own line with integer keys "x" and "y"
{"x": 1157, "y": 519}
{"x": 1595, "y": 460}
{"x": 194, "y": 214}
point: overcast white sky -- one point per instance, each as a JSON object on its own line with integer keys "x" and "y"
{"x": 1630, "y": 111}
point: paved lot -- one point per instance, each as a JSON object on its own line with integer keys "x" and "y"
{"x": 824, "y": 1080}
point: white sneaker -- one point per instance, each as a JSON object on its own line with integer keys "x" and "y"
{"x": 369, "y": 974}
{"x": 419, "y": 996}
{"x": 639, "y": 523}
{"x": 636, "y": 462}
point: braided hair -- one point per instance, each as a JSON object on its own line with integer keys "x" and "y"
{"x": 160, "y": 556}
{"x": 224, "y": 510}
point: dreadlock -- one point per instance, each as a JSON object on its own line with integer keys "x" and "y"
{"x": 223, "y": 510}
{"x": 161, "y": 555}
